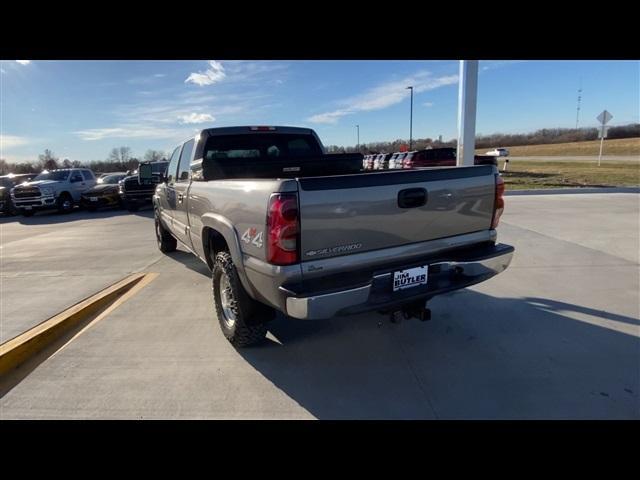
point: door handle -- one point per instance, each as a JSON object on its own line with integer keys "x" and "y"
{"x": 412, "y": 197}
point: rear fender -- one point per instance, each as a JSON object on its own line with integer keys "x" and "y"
{"x": 225, "y": 228}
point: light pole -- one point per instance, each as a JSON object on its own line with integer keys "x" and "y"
{"x": 358, "y": 145}
{"x": 467, "y": 96}
{"x": 411, "y": 119}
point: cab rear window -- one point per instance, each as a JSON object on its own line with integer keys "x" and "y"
{"x": 260, "y": 146}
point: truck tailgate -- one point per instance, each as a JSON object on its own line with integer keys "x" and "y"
{"x": 370, "y": 211}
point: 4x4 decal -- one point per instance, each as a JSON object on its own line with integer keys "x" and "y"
{"x": 251, "y": 235}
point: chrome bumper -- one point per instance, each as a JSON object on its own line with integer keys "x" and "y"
{"x": 47, "y": 201}
{"x": 451, "y": 275}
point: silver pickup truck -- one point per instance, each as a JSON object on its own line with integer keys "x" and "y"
{"x": 283, "y": 226}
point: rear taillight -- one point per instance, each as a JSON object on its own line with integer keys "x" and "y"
{"x": 407, "y": 164}
{"x": 283, "y": 227}
{"x": 498, "y": 205}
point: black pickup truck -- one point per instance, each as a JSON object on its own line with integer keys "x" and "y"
{"x": 135, "y": 192}
{"x": 7, "y": 182}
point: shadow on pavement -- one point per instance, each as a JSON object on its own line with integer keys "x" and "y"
{"x": 190, "y": 261}
{"x": 53, "y": 217}
{"x": 481, "y": 357}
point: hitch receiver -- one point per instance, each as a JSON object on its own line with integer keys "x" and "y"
{"x": 413, "y": 310}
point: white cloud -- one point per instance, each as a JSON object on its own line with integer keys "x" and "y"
{"x": 213, "y": 74}
{"x": 130, "y": 131}
{"x": 329, "y": 117}
{"x": 196, "y": 118}
{"x": 160, "y": 75}
{"x": 24, "y": 62}
{"x": 11, "y": 141}
{"x": 428, "y": 104}
{"x": 385, "y": 95}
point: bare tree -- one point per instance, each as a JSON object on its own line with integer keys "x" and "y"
{"x": 66, "y": 163}
{"x": 120, "y": 155}
{"x": 47, "y": 160}
{"x": 154, "y": 156}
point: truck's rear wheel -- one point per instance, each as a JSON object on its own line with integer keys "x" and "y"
{"x": 166, "y": 242}
{"x": 241, "y": 318}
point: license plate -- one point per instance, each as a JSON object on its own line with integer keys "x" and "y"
{"x": 411, "y": 277}
{"x": 28, "y": 208}
{"x": 93, "y": 199}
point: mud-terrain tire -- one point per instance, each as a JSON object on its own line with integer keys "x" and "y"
{"x": 166, "y": 242}
{"x": 242, "y": 319}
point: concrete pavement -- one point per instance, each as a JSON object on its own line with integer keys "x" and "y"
{"x": 555, "y": 336}
{"x": 50, "y": 261}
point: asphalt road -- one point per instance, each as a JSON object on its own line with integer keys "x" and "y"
{"x": 555, "y": 336}
{"x": 579, "y": 158}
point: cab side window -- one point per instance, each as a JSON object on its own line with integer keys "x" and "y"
{"x": 75, "y": 177}
{"x": 87, "y": 175}
{"x": 173, "y": 165}
{"x": 185, "y": 160}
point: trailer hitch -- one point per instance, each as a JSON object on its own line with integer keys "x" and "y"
{"x": 417, "y": 310}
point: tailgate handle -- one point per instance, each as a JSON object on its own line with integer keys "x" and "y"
{"x": 412, "y": 197}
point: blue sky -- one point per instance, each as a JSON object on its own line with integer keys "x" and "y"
{"x": 82, "y": 109}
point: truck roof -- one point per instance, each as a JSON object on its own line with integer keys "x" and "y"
{"x": 257, "y": 129}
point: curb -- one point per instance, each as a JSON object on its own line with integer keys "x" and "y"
{"x": 23, "y": 347}
{"x": 561, "y": 191}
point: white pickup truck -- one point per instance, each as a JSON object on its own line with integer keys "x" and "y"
{"x": 55, "y": 189}
{"x": 498, "y": 152}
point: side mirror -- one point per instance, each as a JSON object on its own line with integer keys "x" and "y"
{"x": 145, "y": 173}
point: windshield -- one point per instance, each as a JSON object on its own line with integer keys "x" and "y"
{"x": 58, "y": 176}
{"x": 111, "y": 179}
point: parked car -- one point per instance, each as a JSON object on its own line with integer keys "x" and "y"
{"x": 135, "y": 192}
{"x": 498, "y": 152}
{"x": 7, "y": 182}
{"x": 441, "y": 157}
{"x": 59, "y": 189}
{"x": 398, "y": 161}
{"x": 370, "y": 161}
{"x": 393, "y": 161}
{"x": 312, "y": 236}
{"x": 102, "y": 176}
{"x": 382, "y": 161}
{"x": 105, "y": 194}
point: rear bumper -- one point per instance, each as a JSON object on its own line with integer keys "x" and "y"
{"x": 445, "y": 275}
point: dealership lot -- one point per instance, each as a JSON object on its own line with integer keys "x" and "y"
{"x": 51, "y": 261}
{"x": 555, "y": 336}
